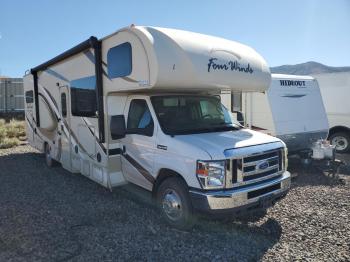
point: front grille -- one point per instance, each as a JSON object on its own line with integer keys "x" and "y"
{"x": 259, "y": 175}
{"x": 256, "y": 168}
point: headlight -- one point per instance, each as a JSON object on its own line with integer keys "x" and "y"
{"x": 211, "y": 174}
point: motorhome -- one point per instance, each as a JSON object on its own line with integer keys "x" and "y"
{"x": 335, "y": 90}
{"x": 291, "y": 109}
{"x": 142, "y": 106}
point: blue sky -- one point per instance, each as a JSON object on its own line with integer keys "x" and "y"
{"x": 282, "y": 31}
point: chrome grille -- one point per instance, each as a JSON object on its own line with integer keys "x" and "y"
{"x": 256, "y": 168}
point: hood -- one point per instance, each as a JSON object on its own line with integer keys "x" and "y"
{"x": 217, "y": 142}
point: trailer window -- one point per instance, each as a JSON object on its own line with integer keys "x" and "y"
{"x": 64, "y": 104}
{"x": 119, "y": 60}
{"x": 83, "y": 96}
{"x": 139, "y": 118}
{"x": 29, "y": 96}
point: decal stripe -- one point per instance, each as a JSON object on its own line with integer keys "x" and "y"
{"x": 53, "y": 100}
{"x": 48, "y": 104}
{"x": 96, "y": 138}
{"x": 129, "y": 79}
{"x": 76, "y": 139}
{"x": 140, "y": 168}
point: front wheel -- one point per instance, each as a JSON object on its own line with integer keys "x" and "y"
{"x": 175, "y": 204}
{"x": 341, "y": 141}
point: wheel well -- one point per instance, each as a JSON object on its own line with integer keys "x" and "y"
{"x": 337, "y": 129}
{"x": 163, "y": 174}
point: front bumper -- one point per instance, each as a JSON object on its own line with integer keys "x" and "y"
{"x": 235, "y": 200}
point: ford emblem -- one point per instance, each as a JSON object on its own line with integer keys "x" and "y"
{"x": 263, "y": 165}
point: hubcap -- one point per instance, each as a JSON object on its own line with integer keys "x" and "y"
{"x": 172, "y": 205}
{"x": 340, "y": 142}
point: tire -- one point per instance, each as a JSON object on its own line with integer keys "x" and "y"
{"x": 50, "y": 162}
{"x": 341, "y": 140}
{"x": 174, "y": 203}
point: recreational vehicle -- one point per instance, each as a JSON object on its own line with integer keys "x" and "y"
{"x": 335, "y": 90}
{"x": 142, "y": 106}
{"x": 291, "y": 109}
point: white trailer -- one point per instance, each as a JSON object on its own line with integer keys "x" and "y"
{"x": 291, "y": 109}
{"x": 335, "y": 90}
{"x": 141, "y": 106}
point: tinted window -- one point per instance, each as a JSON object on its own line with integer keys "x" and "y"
{"x": 64, "y": 104}
{"x": 29, "y": 96}
{"x": 83, "y": 96}
{"x": 119, "y": 60}
{"x": 139, "y": 119}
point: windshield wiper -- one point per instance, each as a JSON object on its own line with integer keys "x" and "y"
{"x": 225, "y": 126}
{"x": 202, "y": 130}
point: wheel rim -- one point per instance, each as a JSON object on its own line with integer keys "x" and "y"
{"x": 172, "y": 205}
{"x": 340, "y": 142}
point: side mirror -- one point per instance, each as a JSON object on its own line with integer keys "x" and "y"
{"x": 117, "y": 127}
{"x": 240, "y": 117}
{"x": 149, "y": 130}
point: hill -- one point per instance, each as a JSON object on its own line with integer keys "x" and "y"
{"x": 308, "y": 68}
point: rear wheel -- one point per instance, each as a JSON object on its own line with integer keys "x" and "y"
{"x": 50, "y": 162}
{"x": 341, "y": 141}
{"x": 175, "y": 204}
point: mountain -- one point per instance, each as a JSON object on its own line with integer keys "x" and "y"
{"x": 308, "y": 68}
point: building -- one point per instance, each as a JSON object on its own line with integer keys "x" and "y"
{"x": 11, "y": 95}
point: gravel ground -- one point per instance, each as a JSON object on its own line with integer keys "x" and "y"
{"x": 52, "y": 215}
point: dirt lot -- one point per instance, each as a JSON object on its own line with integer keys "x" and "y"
{"x": 52, "y": 215}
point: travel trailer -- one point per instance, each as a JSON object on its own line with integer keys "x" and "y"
{"x": 335, "y": 90}
{"x": 142, "y": 106}
{"x": 291, "y": 109}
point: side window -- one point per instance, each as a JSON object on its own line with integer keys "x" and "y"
{"x": 139, "y": 118}
{"x": 64, "y": 104}
{"x": 29, "y": 96}
{"x": 83, "y": 96}
{"x": 119, "y": 60}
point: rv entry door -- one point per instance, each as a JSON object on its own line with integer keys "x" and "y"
{"x": 64, "y": 142}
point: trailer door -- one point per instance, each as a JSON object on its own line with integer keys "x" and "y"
{"x": 64, "y": 141}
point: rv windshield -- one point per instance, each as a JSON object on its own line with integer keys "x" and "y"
{"x": 185, "y": 114}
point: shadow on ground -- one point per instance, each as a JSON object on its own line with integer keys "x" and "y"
{"x": 312, "y": 175}
{"x": 52, "y": 215}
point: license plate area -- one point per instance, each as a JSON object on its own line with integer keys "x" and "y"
{"x": 264, "y": 191}
{"x": 266, "y": 201}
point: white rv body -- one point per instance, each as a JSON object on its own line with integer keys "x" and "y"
{"x": 74, "y": 101}
{"x": 291, "y": 109}
{"x": 335, "y": 90}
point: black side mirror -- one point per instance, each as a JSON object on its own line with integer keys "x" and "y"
{"x": 118, "y": 129}
{"x": 240, "y": 117}
{"x": 149, "y": 129}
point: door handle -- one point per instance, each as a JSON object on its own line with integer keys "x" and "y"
{"x": 124, "y": 150}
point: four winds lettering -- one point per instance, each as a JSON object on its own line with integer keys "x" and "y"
{"x": 231, "y": 65}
